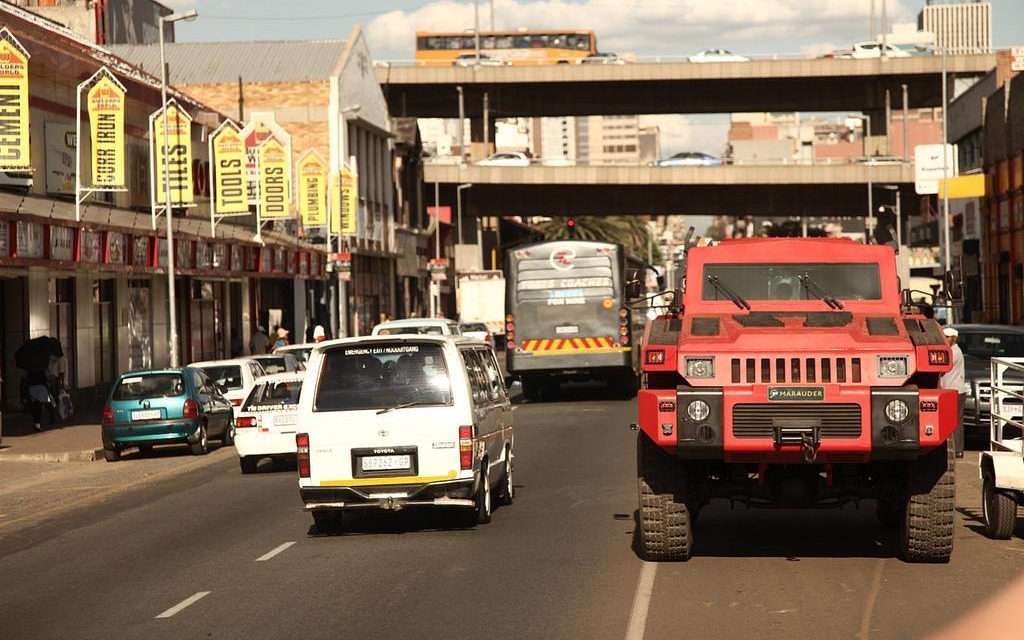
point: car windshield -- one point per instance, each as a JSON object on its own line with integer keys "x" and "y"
{"x": 985, "y": 345}
{"x": 382, "y": 375}
{"x": 151, "y": 385}
{"x": 227, "y": 376}
{"x": 845, "y": 281}
{"x": 273, "y": 395}
{"x": 412, "y": 329}
{"x": 274, "y": 365}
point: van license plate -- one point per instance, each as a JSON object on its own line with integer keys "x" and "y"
{"x": 385, "y": 463}
{"x": 146, "y": 414}
{"x": 567, "y": 329}
{"x": 285, "y": 419}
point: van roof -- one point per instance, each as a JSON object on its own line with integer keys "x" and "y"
{"x": 402, "y": 337}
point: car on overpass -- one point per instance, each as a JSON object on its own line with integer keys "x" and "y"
{"x": 471, "y": 60}
{"x": 717, "y": 55}
{"x": 690, "y": 159}
{"x": 506, "y": 159}
{"x": 874, "y": 50}
{"x": 603, "y": 58}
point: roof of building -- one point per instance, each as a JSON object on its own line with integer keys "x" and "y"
{"x": 221, "y": 62}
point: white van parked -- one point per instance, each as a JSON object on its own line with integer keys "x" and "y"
{"x": 417, "y": 326}
{"x": 387, "y": 422}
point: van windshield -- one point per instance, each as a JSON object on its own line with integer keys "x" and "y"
{"x": 382, "y": 375}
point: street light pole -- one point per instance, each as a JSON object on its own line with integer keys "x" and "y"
{"x": 458, "y": 205}
{"x": 342, "y": 285}
{"x": 172, "y": 321}
{"x": 947, "y": 261}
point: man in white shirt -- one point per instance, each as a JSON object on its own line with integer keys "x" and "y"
{"x": 954, "y": 379}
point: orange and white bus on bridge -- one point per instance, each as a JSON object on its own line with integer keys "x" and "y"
{"x": 517, "y": 47}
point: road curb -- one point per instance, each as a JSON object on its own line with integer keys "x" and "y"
{"x": 88, "y": 455}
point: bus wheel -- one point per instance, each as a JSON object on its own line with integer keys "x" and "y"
{"x": 531, "y": 389}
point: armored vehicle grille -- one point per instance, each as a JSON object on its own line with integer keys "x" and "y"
{"x": 758, "y": 420}
{"x": 799, "y": 370}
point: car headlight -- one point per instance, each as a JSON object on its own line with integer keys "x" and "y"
{"x": 892, "y": 366}
{"x": 897, "y": 411}
{"x": 698, "y": 410}
{"x": 699, "y": 367}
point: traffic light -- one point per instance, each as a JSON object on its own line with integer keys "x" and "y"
{"x": 570, "y": 225}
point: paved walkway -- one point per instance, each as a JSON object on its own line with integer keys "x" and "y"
{"x": 76, "y": 439}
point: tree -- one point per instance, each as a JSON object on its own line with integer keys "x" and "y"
{"x": 630, "y": 231}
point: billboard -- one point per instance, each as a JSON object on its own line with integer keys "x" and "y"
{"x": 14, "y": 130}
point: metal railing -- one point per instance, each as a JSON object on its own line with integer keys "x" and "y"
{"x": 1006, "y": 424}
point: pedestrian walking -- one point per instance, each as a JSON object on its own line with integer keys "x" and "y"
{"x": 954, "y": 379}
{"x": 259, "y": 342}
{"x": 38, "y": 396}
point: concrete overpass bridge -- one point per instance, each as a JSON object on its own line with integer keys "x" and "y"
{"x": 778, "y": 190}
{"x": 825, "y": 84}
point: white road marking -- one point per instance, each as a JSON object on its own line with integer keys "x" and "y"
{"x": 641, "y": 601}
{"x": 184, "y": 603}
{"x": 270, "y": 554}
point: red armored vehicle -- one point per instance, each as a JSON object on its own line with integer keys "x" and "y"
{"x": 795, "y": 373}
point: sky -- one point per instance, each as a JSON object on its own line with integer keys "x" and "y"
{"x": 646, "y": 28}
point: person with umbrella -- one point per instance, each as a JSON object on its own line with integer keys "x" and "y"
{"x": 35, "y": 357}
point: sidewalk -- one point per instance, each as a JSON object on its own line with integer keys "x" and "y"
{"x": 77, "y": 439}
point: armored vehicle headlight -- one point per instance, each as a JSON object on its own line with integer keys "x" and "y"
{"x": 892, "y": 366}
{"x": 897, "y": 411}
{"x": 698, "y": 410}
{"x": 700, "y": 367}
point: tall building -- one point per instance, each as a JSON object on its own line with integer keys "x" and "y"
{"x": 613, "y": 140}
{"x": 961, "y": 27}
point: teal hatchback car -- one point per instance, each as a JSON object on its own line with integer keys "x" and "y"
{"x": 165, "y": 406}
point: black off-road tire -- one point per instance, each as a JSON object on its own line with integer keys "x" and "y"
{"x": 999, "y": 509}
{"x": 926, "y": 534}
{"x": 666, "y": 528}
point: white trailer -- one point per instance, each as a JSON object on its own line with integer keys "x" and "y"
{"x": 482, "y": 299}
{"x": 1002, "y": 467}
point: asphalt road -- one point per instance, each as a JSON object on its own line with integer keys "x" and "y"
{"x": 182, "y": 547}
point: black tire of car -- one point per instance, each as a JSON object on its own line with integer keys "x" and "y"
{"x": 506, "y": 490}
{"x": 482, "y": 508}
{"x": 926, "y": 534}
{"x": 999, "y": 509}
{"x": 201, "y": 446}
{"x": 228, "y": 438}
{"x": 248, "y": 464}
{"x": 327, "y": 521}
{"x": 112, "y": 455}
{"x": 666, "y": 528}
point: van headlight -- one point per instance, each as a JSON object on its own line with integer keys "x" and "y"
{"x": 699, "y": 366}
{"x": 892, "y": 366}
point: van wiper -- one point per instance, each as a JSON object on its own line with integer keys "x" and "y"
{"x": 818, "y": 292}
{"x": 729, "y": 293}
{"x": 402, "y": 406}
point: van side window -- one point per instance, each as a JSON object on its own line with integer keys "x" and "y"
{"x": 495, "y": 385}
{"x": 477, "y": 381}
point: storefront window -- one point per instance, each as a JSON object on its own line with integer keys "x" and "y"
{"x": 140, "y": 328}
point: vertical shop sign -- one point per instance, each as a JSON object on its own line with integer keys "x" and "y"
{"x": 174, "y": 168}
{"x": 275, "y": 180}
{"x": 106, "y": 126}
{"x": 14, "y": 129}
{"x": 348, "y": 201}
{"x": 229, "y": 191}
{"x": 312, "y": 190}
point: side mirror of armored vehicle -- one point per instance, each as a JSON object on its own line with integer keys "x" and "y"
{"x": 954, "y": 287}
{"x": 634, "y": 283}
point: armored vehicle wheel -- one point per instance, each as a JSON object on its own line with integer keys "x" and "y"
{"x": 926, "y": 534}
{"x": 998, "y": 508}
{"x": 666, "y": 531}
